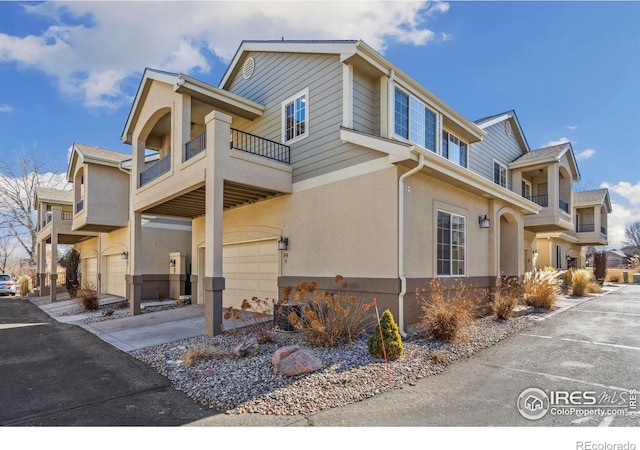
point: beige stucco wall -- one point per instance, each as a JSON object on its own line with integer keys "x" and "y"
{"x": 106, "y": 195}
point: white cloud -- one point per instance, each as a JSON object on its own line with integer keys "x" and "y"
{"x": 557, "y": 141}
{"x": 572, "y": 127}
{"x": 585, "y": 154}
{"x": 626, "y": 209}
{"x": 6, "y": 108}
{"x": 92, "y": 48}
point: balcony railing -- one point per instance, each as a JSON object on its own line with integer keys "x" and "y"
{"x": 80, "y": 206}
{"x": 542, "y": 200}
{"x": 67, "y": 215}
{"x": 563, "y": 206}
{"x": 245, "y": 142}
{"x": 160, "y": 167}
{"x": 195, "y": 146}
{"x": 585, "y": 228}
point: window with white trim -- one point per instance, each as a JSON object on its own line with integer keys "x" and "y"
{"x": 414, "y": 121}
{"x": 454, "y": 149}
{"x": 450, "y": 244}
{"x": 500, "y": 174}
{"x": 295, "y": 118}
{"x": 526, "y": 189}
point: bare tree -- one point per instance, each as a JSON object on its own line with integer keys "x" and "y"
{"x": 632, "y": 237}
{"x": 6, "y": 250}
{"x": 18, "y": 182}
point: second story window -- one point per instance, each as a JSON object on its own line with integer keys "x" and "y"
{"x": 414, "y": 121}
{"x": 500, "y": 174}
{"x": 454, "y": 149}
{"x": 526, "y": 189}
{"x": 295, "y": 117}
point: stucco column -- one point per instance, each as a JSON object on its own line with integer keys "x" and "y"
{"x": 135, "y": 263}
{"x": 56, "y": 215}
{"x": 218, "y": 130}
{"x": 553, "y": 188}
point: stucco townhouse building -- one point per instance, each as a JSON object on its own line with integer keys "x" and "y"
{"x": 317, "y": 158}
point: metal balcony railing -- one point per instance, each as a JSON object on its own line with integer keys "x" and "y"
{"x": 243, "y": 141}
{"x": 542, "y": 200}
{"x": 585, "y": 228}
{"x": 160, "y": 167}
{"x": 564, "y": 206}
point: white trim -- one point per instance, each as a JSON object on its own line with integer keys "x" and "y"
{"x": 464, "y": 247}
{"x": 506, "y": 173}
{"x": 303, "y": 93}
{"x": 347, "y": 96}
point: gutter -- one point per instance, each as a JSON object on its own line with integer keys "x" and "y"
{"x": 403, "y": 279}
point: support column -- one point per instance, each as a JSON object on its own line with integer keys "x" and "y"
{"x": 135, "y": 263}
{"x": 56, "y": 215}
{"x": 218, "y": 130}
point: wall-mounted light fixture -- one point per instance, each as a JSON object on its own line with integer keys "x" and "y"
{"x": 283, "y": 243}
{"x": 535, "y": 253}
{"x": 172, "y": 263}
{"x": 124, "y": 255}
{"x": 484, "y": 221}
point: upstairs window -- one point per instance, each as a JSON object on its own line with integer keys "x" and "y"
{"x": 414, "y": 121}
{"x": 295, "y": 117}
{"x": 454, "y": 149}
{"x": 500, "y": 174}
{"x": 526, "y": 189}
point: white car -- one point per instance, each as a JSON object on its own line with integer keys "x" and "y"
{"x": 7, "y": 285}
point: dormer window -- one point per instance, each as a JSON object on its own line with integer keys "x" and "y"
{"x": 414, "y": 121}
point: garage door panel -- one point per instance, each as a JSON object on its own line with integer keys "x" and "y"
{"x": 90, "y": 275}
{"x": 116, "y": 269}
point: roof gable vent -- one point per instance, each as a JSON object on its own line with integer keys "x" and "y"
{"x": 248, "y": 68}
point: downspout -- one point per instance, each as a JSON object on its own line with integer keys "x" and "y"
{"x": 403, "y": 279}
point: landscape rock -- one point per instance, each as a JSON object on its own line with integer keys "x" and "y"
{"x": 295, "y": 360}
{"x": 246, "y": 349}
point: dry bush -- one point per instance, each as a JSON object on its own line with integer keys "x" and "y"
{"x": 509, "y": 295}
{"x": 600, "y": 266}
{"x": 445, "y": 312}
{"x": 542, "y": 287}
{"x": 439, "y": 358}
{"x": 583, "y": 283}
{"x": 25, "y": 285}
{"x": 88, "y": 297}
{"x": 255, "y": 314}
{"x": 194, "y": 356}
{"x": 328, "y": 319}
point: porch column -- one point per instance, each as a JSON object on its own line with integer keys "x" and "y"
{"x": 42, "y": 267}
{"x": 494, "y": 248}
{"x": 135, "y": 263}
{"x": 218, "y": 131}
{"x": 56, "y": 214}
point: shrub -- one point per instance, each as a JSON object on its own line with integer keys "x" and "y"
{"x": 185, "y": 301}
{"x": 194, "y": 356}
{"x": 614, "y": 278}
{"x": 600, "y": 266}
{"x": 440, "y": 358}
{"x": 445, "y": 313}
{"x": 255, "y": 314}
{"x": 88, "y": 298}
{"x": 72, "y": 263}
{"x": 583, "y": 282}
{"x": 542, "y": 287}
{"x": 391, "y": 339}
{"x": 25, "y": 284}
{"x": 328, "y": 319}
{"x": 507, "y": 298}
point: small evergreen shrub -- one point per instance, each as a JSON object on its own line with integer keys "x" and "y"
{"x": 72, "y": 264}
{"x": 393, "y": 348}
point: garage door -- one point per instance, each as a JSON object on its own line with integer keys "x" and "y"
{"x": 90, "y": 272}
{"x": 116, "y": 270}
{"x": 250, "y": 270}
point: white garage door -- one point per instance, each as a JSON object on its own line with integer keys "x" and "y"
{"x": 250, "y": 270}
{"x": 90, "y": 272}
{"x": 116, "y": 269}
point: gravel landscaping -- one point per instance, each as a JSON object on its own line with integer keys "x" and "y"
{"x": 248, "y": 385}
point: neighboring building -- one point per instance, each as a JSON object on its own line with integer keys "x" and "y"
{"x": 617, "y": 258}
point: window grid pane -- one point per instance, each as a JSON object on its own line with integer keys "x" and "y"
{"x": 402, "y": 114}
{"x": 451, "y": 244}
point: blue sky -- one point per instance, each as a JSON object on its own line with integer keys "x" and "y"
{"x": 570, "y": 70}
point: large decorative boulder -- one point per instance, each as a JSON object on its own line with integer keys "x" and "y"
{"x": 295, "y": 360}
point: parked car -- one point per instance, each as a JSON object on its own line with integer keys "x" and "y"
{"x": 7, "y": 285}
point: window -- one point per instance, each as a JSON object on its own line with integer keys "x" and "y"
{"x": 500, "y": 174}
{"x": 294, "y": 113}
{"x": 558, "y": 257}
{"x": 451, "y": 244}
{"x": 526, "y": 189}
{"x": 454, "y": 149}
{"x": 414, "y": 121}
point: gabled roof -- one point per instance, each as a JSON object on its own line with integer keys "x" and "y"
{"x": 197, "y": 89}
{"x": 593, "y": 197}
{"x": 511, "y": 116}
{"x": 359, "y": 54}
{"x": 82, "y": 153}
{"x": 49, "y": 195}
{"x": 553, "y": 153}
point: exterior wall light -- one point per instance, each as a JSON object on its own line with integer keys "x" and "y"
{"x": 283, "y": 243}
{"x": 484, "y": 221}
{"x": 172, "y": 263}
{"x": 124, "y": 255}
{"x": 535, "y": 253}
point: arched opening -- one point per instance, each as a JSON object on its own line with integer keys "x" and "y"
{"x": 564, "y": 190}
{"x": 156, "y": 136}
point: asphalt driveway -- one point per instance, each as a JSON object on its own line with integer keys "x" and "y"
{"x": 56, "y": 374}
